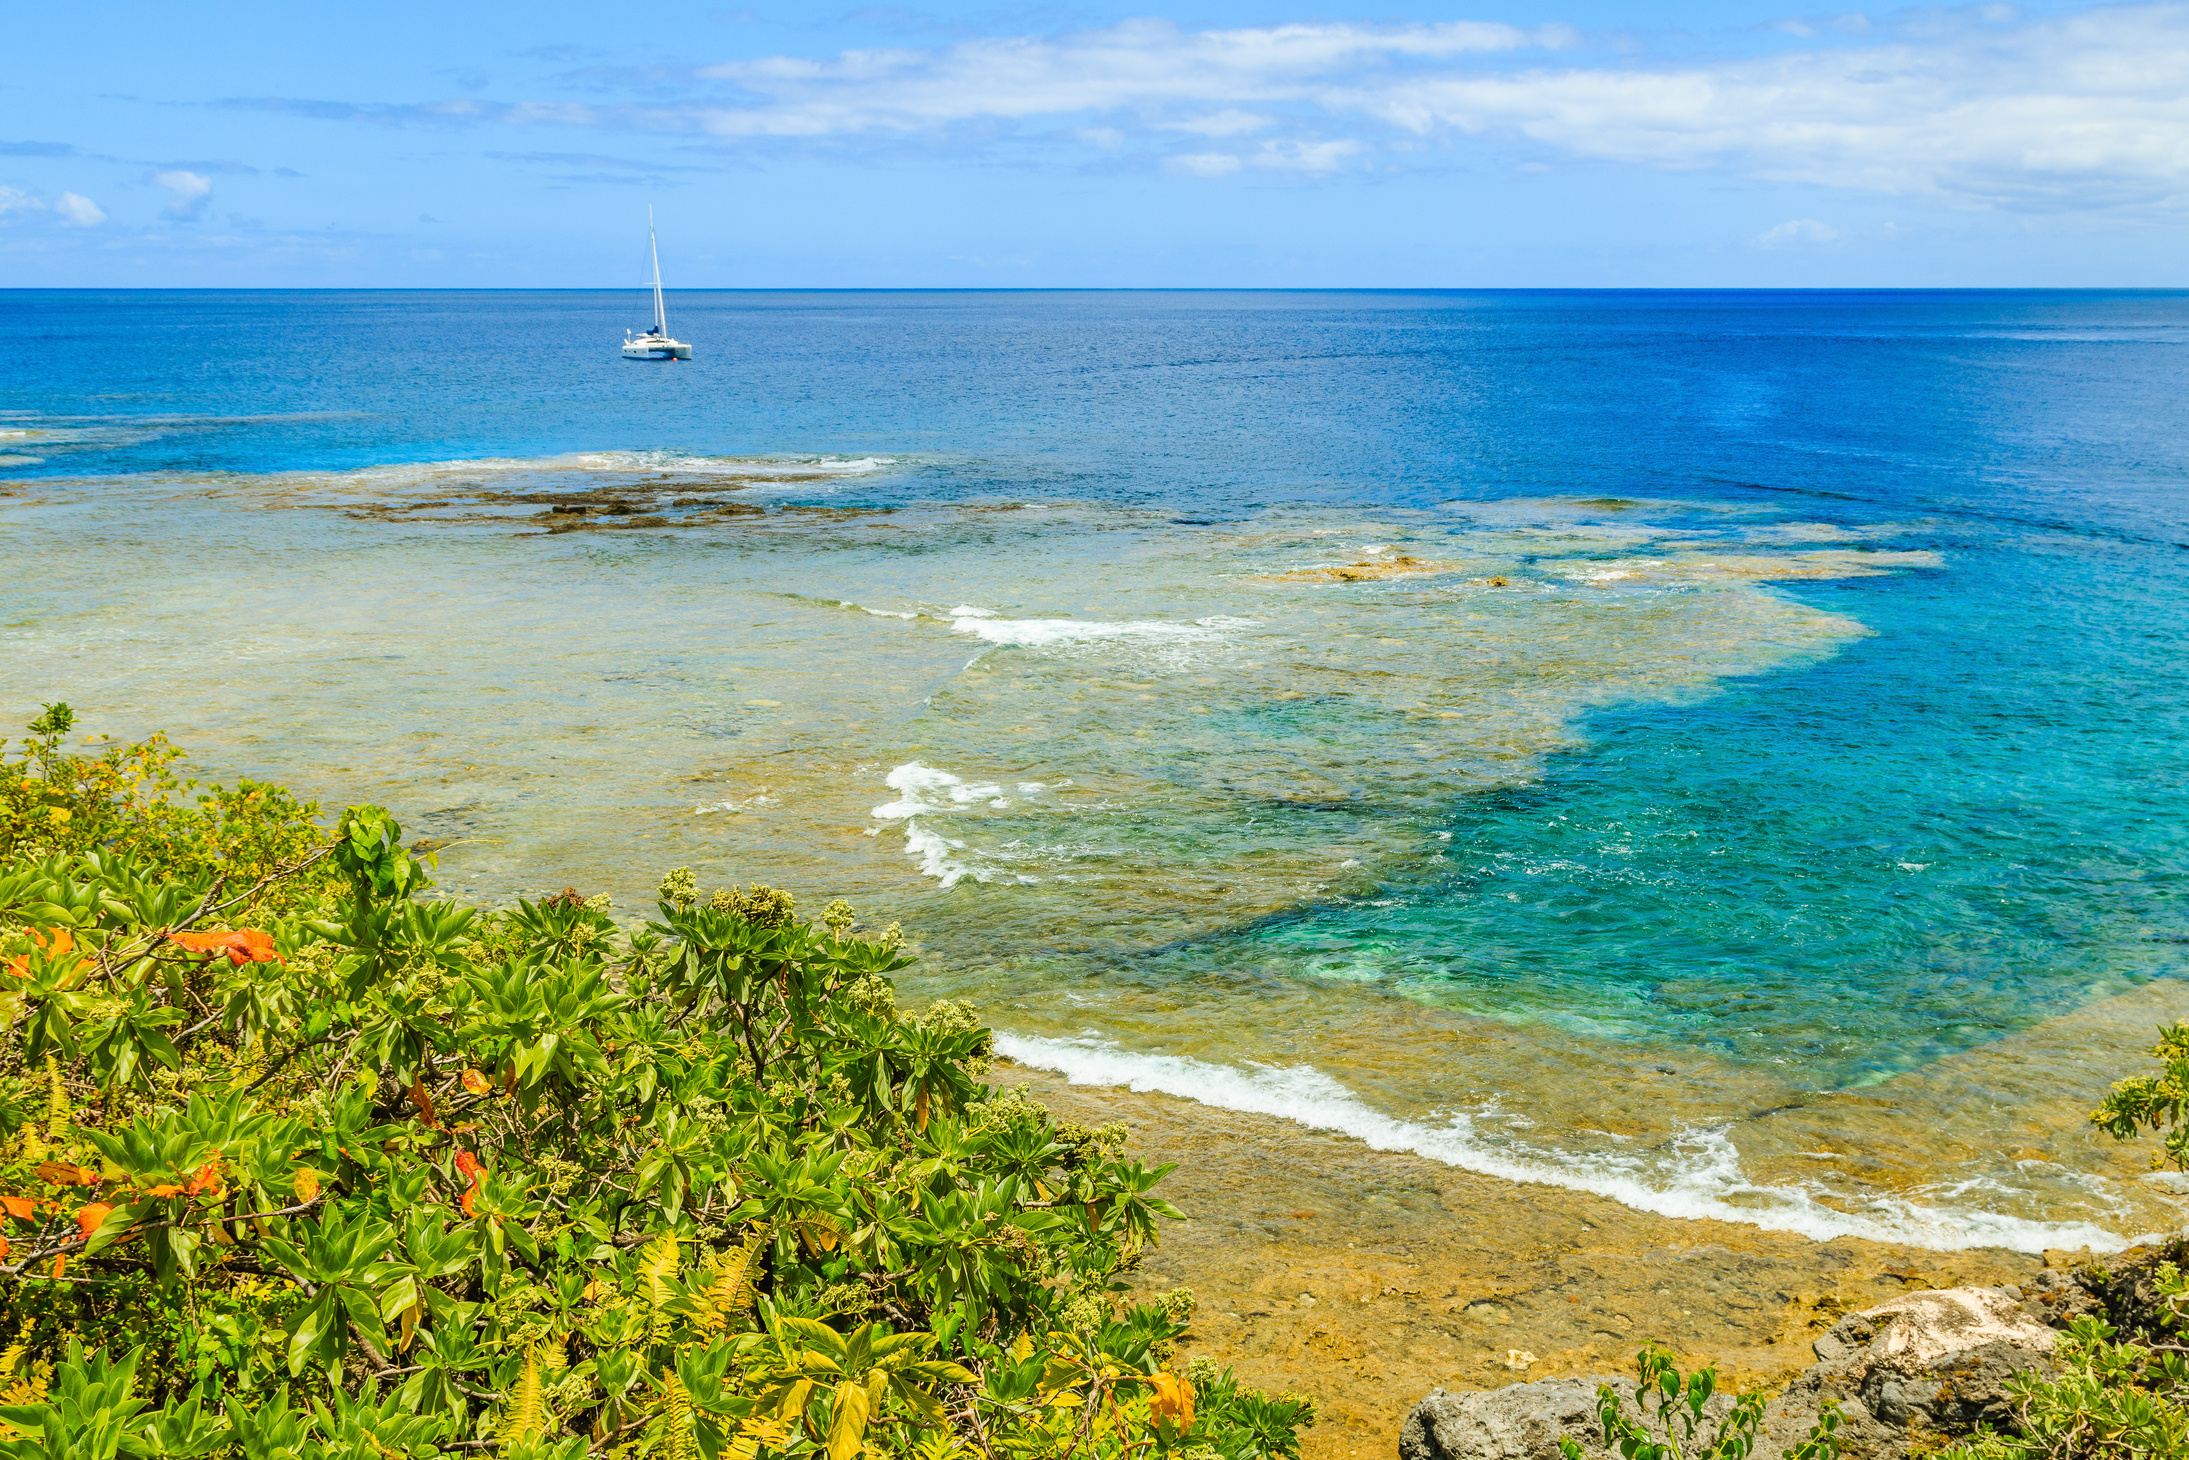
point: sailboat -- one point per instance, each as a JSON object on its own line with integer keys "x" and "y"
{"x": 655, "y": 344}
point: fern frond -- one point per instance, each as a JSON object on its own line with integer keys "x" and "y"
{"x": 19, "y": 1388}
{"x": 527, "y": 1404}
{"x": 755, "y": 1432}
{"x": 657, "y": 1270}
{"x": 731, "y": 1291}
{"x": 679, "y": 1443}
{"x": 935, "y": 1444}
{"x": 58, "y": 1108}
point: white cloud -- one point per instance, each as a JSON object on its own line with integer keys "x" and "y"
{"x": 192, "y": 190}
{"x": 1306, "y": 156}
{"x": 1980, "y": 106}
{"x": 1230, "y": 122}
{"x": 73, "y": 209}
{"x": 1139, "y": 64}
{"x": 78, "y": 211}
{"x": 1798, "y": 231}
{"x": 1203, "y": 164}
{"x": 2073, "y": 112}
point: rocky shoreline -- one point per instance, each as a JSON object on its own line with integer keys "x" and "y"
{"x": 1907, "y": 1377}
{"x": 1365, "y": 1278}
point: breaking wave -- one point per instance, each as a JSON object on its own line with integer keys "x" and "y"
{"x": 1703, "y": 1179}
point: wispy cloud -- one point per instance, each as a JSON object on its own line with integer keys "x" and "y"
{"x": 458, "y": 112}
{"x": 192, "y": 192}
{"x": 2086, "y": 111}
{"x": 600, "y": 161}
{"x": 1796, "y": 231}
{"x": 1980, "y": 106}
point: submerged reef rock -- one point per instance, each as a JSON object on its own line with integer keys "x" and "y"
{"x": 1367, "y": 570}
{"x": 1907, "y": 1375}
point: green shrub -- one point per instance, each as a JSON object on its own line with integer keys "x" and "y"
{"x": 2110, "y": 1399}
{"x": 1680, "y": 1404}
{"x": 296, "y": 1162}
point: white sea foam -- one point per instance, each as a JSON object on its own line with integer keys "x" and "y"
{"x": 1035, "y": 632}
{"x": 1704, "y": 1178}
{"x": 924, "y": 791}
{"x": 750, "y": 803}
{"x": 679, "y": 463}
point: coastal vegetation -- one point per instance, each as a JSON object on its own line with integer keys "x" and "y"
{"x": 1673, "y": 1418}
{"x": 297, "y": 1161}
{"x": 2123, "y": 1387}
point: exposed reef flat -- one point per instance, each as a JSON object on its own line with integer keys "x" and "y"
{"x": 1366, "y": 1278}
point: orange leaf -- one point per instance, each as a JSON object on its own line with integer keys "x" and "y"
{"x": 420, "y": 1097}
{"x": 476, "y": 1083}
{"x": 3, "y": 1247}
{"x": 19, "y": 1207}
{"x": 60, "y": 1265}
{"x": 163, "y": 1189}
{"x": 89, "y": 1217}
{"x": 469, "y": 1165}
{"x": 61, "y": 1173}
{"x": 54, "y": 946}
{"x": 206, "y": 1181}
{"x": 242, "y": 945}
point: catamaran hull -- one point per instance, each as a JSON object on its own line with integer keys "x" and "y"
{"x": 657, "y": 352}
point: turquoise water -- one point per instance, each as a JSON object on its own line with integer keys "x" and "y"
{"x": 1538, "y": 730}
{"x": 1951, "y": 829}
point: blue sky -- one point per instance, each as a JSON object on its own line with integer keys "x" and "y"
{"x": 1498, "y": 143}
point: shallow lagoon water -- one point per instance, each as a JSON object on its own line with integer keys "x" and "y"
{"x": 1651, "y": 744}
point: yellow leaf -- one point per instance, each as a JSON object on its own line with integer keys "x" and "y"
{"x": 307, "y": 1183}
{"x": 794, "y": 1399}
{"x": 847, "y": 1433}
{"x": 1172, "y": 1400}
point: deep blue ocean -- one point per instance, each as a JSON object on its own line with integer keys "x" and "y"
{"x": 1844, "y": 864}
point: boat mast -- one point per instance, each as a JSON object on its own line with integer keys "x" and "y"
{"x": 661, "y": 317}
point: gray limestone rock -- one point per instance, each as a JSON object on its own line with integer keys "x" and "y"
{"x": 1520, "y": 1421}
{"x": 1928, "y": 1365}
{"x": 1931, "y": 1364}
